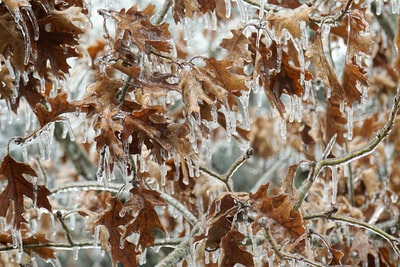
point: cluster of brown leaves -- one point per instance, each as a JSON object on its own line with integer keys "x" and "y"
{"x": 135, "y": 125}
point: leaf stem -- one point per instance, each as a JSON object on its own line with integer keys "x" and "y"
{"x": 352, "y": 155}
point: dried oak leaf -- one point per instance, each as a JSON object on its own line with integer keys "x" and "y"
{"x": 278, "y": 76}
{"x": 335, "y": 120}
{"x": 146, "y": 36}
{"x": 220, "y": 218}
{"x": 217, "y": 80}
{"x": 59, "y": 105}
{"x": 142, "y": 202}
{"x": 18, "y": 187}
{"x": 105, "y": 90}
{"x": 279, "y": 208}
{"x": 237, "y": 46}
{"x": 289, "y": 19}
{"x": 233, "y": 252}
{"x": 151, "y": 128}
{"x": 113, "y": 222}
{"x": 184, "y": 8}
{"x": 12, "y": 43}
{"x": 359, "y": 44}
{"x": 36, "y": 239}
{"x": 58, "y": 38}
{"x": 109, "y": 126}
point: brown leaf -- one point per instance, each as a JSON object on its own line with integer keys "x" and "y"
{"x": 237, "y": 46}
{"x": 18, "y": 187}
{"x": 184, "y": 8}
{"x": 335, "y": 120}
{"x": 233, "y": 252}
{"x": 112, "y": 220}
{"x": 278, "y": 207}
{"x": 279, "y": 20}
{"x": 220, "y": 218}
{"x": 142, "y": 203}
{"x": 59, "y": 105}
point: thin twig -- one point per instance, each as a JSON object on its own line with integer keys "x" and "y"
{"x": 333, "y": 19}
{"x": 393, "y": 241}
{"x": 158, "y": 18}
{"x": 181, "y": 251}
{"x": 282, "y": 255}
{"x": 352, "y": 155}
{"x": 226, "y": 178}
{"x": 82, "y": 245}
{"x": 65, "y": 227}
{"x": 121, "y": 95}
{"x": 267, "y": 7}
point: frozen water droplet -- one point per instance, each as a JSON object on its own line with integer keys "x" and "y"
{"x": 349, "y": 111}
{"x": 228, "y": 8}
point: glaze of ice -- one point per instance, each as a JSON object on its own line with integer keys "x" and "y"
{"x": 349, "y": 112}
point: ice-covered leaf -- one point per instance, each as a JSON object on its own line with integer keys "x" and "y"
{"x": 58, "y": 106}
{"x": 220, "y": 218}
{"x": 135, "y": 27}
{"x": 237, "y": 46}
{"x": 233, "y": 251}
{"x": 184, "y": 8}
{"x": 289, "y": 19}
{"x": 112, "y": 220}
{"x": 12, "y": 198}
{"x": 142, "y": 203}
{"x": 279, "y": 208}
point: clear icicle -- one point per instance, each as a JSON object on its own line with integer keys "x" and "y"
{"x": 96, "y": 240}
{"x": 163, "y": 173}
{"x": 34, "y": 22}
{"x": 299, "y": 108}
{"x": 244, "y": 100}
{"x": 334, "y": 170}
{"x": 349, "y": 111}
{"x": 394, "y": 4}
{"x": 228, "y": 8}
{"x": 72, "y": 222}
{"x": 282, "y": 131}
{"x": 9, "y": 68}
{"x": 292, "y": 109}
{"x": 378, "y": 7}
{"x": 242, "y": 10}
{"x": 187, "y": 24}
{"x": 214, "y": 20}
{"x": 262, "y": 5}
{"x": 75, "y": 253}
{"x": 20, "y": 21}
{"x": 52, "y": 225}
{"x": 35, "y": 191}
{"x": 143, "y": 258}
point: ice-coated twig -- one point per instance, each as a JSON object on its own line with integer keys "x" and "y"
{"x": 158, "y": 18}
{"x": 181, "y": 251}
{"x": 226, "y": 178}
{"x": 330, "y": 215}
{"x": 65, "y": 227}
{"x": 352, "y": 155}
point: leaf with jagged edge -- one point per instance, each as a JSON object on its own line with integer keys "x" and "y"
{"x": 111, "y": 219}
{"x": 18, "y": 187}
{"x": 232, "y": 250}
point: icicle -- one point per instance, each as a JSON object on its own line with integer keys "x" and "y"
{"x": 325, "y": 197}
{"x": 100, "y": 167}
{"x": 242, "y": 10}
{"x": 378, "y": 7}
{"x": 52, "y": 225}
{"x": 187, "y": 25}
{"x": 349, "y": 111}
{"x": 33, "y": 262}
{"x": 72, "y": 222}
{"x": 299, "y": 108}
{"x": 19, "y": 20}
{"x": 328, "y": 92}
{"x": 228, "y": 8}
{"x": 283, "y": 128}
{"x": 143, "y": 258}
{"x": 10, "y": 116}
{"x": 122, "y": 242}
{"x": 334, "y": 170}
{"x": 262, "y": 5}
{"x": 55, "y": 262}
{"x": 326, "y": 29}
{"x": 341, "y": 105}
{"x": 278, "y": 58}
{"x": 34, "y": 22}
{"x": 244, "y": 100}
{"x": 292, "y": 109}
{"x": 304, "y": 35}
{"x": 214, "y": 20}
{"x": 9, "y": 68}
{"x": 307, "y": 89}
{"x": 135, "y": 238}
{"x": 207, "y": 257}
{"x": 96, "y": 240}
{"x": 163, "y": 173}
{"x": 42, "y": 151}
{"x": 75, "y": 253}
{"x": 35, "y": 191}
